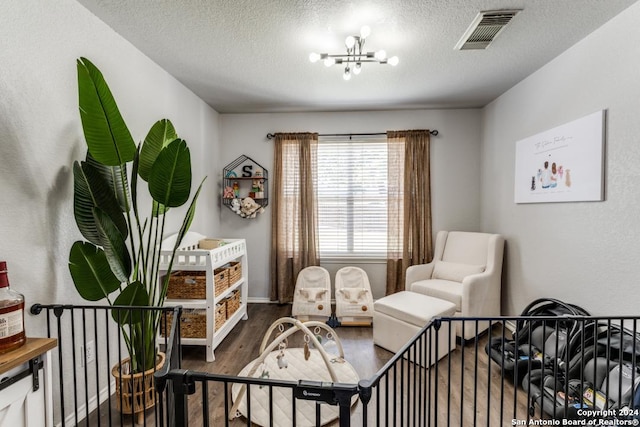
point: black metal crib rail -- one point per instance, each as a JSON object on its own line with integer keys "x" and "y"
{"x": 586, "y": 371}
{"x": 90, "y": 345}
{"x": 521, "y": 370}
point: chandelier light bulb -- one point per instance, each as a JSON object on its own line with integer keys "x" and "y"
{"x": 354, "y": 56}
{"x": 350, "y": 41}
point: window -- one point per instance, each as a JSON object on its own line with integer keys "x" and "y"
{"x": 352, "y": 197}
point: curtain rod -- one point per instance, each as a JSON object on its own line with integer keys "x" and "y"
{"x": 273, "y": 135}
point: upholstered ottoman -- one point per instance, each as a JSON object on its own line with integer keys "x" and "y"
{"x": 399, "y": 317}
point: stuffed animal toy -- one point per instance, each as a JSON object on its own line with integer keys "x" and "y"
{"x": 235, "y": 206}
{"x": 255, "y": 185}
{"x": 228, "y": 192}
{"x": 282, "y": 362}
{"x": 249, "y": 208}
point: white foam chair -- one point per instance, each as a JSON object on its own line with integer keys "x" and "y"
{"x": 354, "y": 300}
{"x": 467, "y": 271}
{"x": 312, "y": 295}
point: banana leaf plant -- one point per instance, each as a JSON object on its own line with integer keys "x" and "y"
{"x": 119, "y": 261}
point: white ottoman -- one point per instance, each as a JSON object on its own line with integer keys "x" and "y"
{"x": 398, "y": 317}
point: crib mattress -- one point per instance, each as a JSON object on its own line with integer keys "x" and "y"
{"x": 297, "y": 368}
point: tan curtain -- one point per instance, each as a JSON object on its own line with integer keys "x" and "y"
{"x": 409, "y": 204}
{"x": 294, "y": 245}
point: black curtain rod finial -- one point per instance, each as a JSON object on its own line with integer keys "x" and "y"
{"x": 273, "y": 135}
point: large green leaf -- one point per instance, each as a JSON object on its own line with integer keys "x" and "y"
{"x": 114, "y": 245}
{"x": 170, "y": 178}
{"x": 90, "y": 190}
{"x": 116, "y": 177}
{"x": 134, "y": 295}
{"x": 105, "y": 131}
{"x": 160, "y": 135}
{"x": 91, "y": 272}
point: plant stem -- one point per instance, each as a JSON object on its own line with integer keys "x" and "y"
{"x": 155, "y": 265}
{"x": 123, "y": 176}
{"x": 168, "y": 272}
{"x": 150, "y": 232}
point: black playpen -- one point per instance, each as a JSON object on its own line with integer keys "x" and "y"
{"x": 554, "y": 365}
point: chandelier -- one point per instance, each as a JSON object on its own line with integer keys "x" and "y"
{"x": 355, "y": 56}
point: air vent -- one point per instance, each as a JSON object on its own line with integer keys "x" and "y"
{"x": 485, "y": 28}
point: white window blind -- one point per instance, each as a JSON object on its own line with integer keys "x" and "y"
{"x": 352, "y": 196}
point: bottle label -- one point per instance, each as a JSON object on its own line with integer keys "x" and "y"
{"x": 11, "y": 323}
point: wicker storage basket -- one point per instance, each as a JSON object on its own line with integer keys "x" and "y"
{"x": 234, "y": 271}
{"x": 221, "y": 314}
{"x": 209, "y": 244}
{"x": 187, "y": 285}
{"x": 193, "y": 323}
{"x": 220, "y": 280}
{"x": 233, "y": 303}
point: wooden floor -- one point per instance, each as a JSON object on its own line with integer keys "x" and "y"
{"x": 243, "y": 345}
{"x": 464, "y": 390}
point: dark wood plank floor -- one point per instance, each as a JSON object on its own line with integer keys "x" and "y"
{"x": 243, "y": 344}
{"x": 466, "y": 388}
{"x": 468, "y": 393}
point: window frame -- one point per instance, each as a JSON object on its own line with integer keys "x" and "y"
{"x": 353, "y": 180}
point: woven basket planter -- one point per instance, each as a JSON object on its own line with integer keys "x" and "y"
{"x": 135, "y": 393}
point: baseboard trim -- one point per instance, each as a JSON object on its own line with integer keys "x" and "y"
{"x": 71, "y": 419}
{"x": 260, "y": 300}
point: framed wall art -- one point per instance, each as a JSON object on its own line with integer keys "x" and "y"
{"x": 563, "y": 164}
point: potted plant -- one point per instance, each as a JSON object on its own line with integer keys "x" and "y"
{"x": 119, "y": 261}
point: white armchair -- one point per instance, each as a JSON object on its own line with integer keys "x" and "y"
{"x": 466, "y": 270}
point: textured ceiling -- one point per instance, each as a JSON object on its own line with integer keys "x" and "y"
{"x": 252, "y": 55}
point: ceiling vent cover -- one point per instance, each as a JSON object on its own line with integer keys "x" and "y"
{"x": 485, "y": 28}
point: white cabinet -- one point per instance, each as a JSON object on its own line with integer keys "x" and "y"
{"x": 190, "y": 258}
{"x": 25, "y": 389}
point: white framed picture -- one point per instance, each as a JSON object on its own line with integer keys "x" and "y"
{"x": 563, "y": 164}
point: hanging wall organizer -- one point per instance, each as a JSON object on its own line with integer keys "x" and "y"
{"x": 245, "y": 189}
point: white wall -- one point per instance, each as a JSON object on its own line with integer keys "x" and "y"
{"x": 585, "y": 253}
{"x": 455, "y": 171}
{"x": 41, "y": 136}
